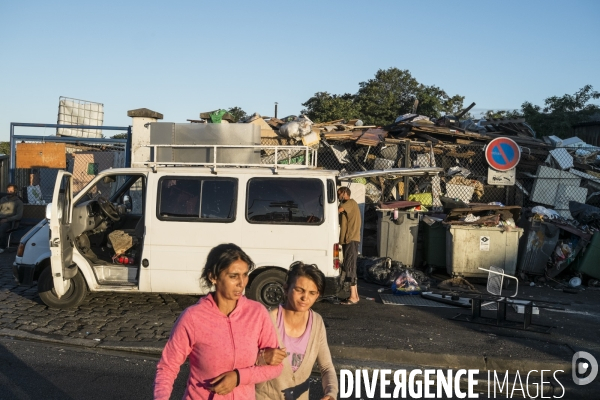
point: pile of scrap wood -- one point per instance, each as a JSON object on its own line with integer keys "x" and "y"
{"x": 450, "y": 129}
{"x": 341, "y": 130}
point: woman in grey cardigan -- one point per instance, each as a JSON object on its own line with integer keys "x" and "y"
{"x": 302, "y": 340}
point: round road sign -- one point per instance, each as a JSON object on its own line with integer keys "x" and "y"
{"x": 503, "y": 154}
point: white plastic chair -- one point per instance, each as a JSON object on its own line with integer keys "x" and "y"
{"x": 494, "y": 286}
{"x": 495, "y": 281}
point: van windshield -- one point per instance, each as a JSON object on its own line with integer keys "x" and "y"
{"x": 285, "y": 201}
{"x": 107, "y": 187}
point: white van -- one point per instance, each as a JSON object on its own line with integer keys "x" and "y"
{"x": 169, "y": 218}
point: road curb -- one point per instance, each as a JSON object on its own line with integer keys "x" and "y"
{"x": 133, "y": 347}
{"x": 48, "y": 338}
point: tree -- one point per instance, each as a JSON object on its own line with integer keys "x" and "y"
{"x": 323, "y": 107}
{"x": 434, "y": 102}
{"x": 5, "y": 148}
{"x": 237, "y": 113}
{"x": 499, "y": 114}
{"x": 119, "y": 136}
{"x": 392, "y": 92}
{"x": 559, "y": 114}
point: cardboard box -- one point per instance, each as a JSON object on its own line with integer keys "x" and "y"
{"x": 311, "y": 139}
{"x": 265, "y": 130}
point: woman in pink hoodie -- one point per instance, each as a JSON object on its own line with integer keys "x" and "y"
{"x": 221, "y": 334}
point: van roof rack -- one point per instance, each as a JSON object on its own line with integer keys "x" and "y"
{"x": 216, "y": 156}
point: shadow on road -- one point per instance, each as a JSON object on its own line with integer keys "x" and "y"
{"x": 20, "y": 381}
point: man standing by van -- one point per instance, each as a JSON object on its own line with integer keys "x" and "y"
{"x": 11, "y": 209}
{"x": 350, "y": 225}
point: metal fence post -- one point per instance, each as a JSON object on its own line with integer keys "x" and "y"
{"x": 128, "y": 148}
{"x": 13, "y": 153}
{"x": 407, "y": 162}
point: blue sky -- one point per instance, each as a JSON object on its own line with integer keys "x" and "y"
{"x": 184, "y": 57}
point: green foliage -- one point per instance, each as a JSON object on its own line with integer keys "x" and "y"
{"x": 120, "y": 136}
{"x": 237, "y": 113}
{"x": 499, "y": 114}
{"x": 323, "y": 107}
{"x": 392, "y": 92}
{"x": 5, "y": 148}
{"x": 559, "y": 114}
{"x": 435, "y": 102}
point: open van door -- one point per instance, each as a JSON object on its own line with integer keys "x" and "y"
{"x": 61, "y": 238}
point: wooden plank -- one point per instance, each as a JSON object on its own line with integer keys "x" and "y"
{"x": 41, "y": 155}
{"x": 463, "y": 141}
{"x": 466, "y": 154}
{"x": 372, "y": 137}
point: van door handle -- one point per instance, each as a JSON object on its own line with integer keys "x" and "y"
{"x": 145, "y": 263}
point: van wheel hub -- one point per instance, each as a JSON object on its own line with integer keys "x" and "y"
{"x": 273, "y": 293}
{"x": 267, "y": 287}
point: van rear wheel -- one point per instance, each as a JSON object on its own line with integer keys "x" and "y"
{"x": 71, "y": 299}
{"x": 267, "y": 288}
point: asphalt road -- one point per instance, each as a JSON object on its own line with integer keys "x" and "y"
{"x": 33, "y": 370}
{"x": 368, "y": 332}
{"x": 30, "y": 370}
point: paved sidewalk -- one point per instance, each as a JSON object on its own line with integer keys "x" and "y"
{"x": 368, "y": 331}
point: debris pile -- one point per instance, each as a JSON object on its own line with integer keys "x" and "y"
{"x": 490, "y": 215}
{"x": 556, "y": 181}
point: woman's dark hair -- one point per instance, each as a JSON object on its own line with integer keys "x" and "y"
{"x": 220, "y": 258}
{"x": 309, "y": 271}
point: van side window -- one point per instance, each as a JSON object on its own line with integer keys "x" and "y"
{"x": 331, "y": 193}
{"x": 285, "y": 201}
{"x": 197, "y": 199}
{"x": 217, "y": 199}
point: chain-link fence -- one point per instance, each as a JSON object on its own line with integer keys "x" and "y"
{"x": 288, "y": 152}
{"x": 545, "y": 176}
{"x": 83, "y": 160}
{"x": 550, "y": 177}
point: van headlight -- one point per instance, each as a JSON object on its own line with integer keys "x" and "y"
{"x": 21, "y": 250}
{"x": 48, "y": 211}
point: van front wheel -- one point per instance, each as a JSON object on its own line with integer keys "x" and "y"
{"x": 267, "y": 288}
{"x": 71, "y": 299}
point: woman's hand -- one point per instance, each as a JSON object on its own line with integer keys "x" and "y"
{"x": 272, "y": 356}
{"x": 224, "y": 383}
